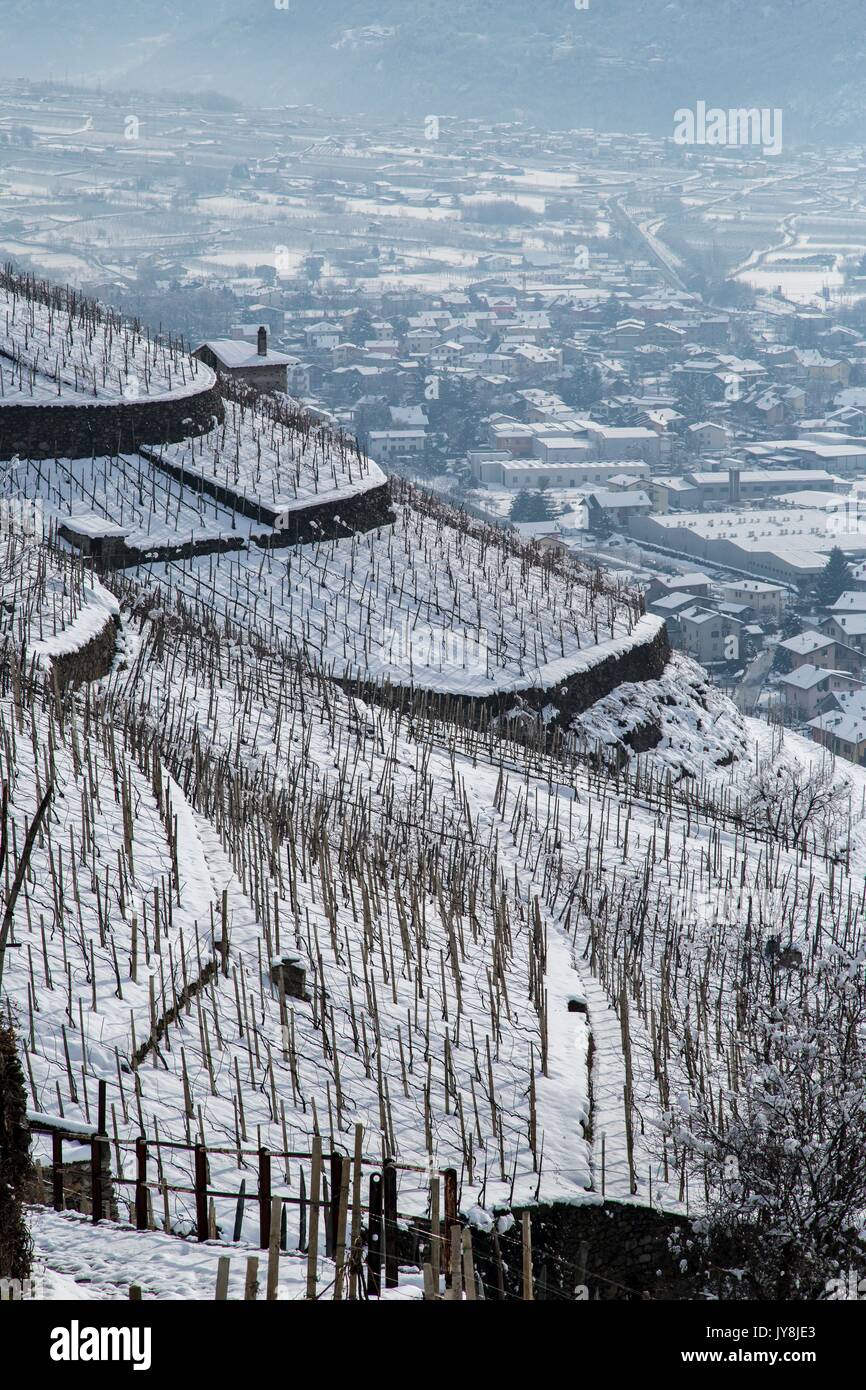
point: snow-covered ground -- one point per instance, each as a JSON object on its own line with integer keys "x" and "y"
{"x": 75, "y": 1260}
{"x": 698, "y": 729}
{"x": 268, "y": 462}
{"x": 259, "y": 461}
{"x": 421, "y": 602}
{"x": 518, "y": 964}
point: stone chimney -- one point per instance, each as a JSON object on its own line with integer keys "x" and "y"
{"x": 263, "y": 342}
{"x": 734, "y": 484}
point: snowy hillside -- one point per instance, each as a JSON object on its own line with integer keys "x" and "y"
{"x": 680, "y": 725}
{"x": 58, "y": 347}
{"x": 215, "y": 806}
{"x": 259, "y": 897}
{"x": 385, "y": 877}
{"x": 428, "y": 601}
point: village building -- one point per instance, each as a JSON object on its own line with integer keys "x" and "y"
{"x": 258, "y": 365}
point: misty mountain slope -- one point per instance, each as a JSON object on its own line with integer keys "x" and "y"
{"x": 614, "y": 65}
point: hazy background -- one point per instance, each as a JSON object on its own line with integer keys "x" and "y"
{"x": 621, "y": 64}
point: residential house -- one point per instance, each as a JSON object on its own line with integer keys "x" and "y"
{"x": 409, "y": 417}
{"x": 613, "y": 442}
{"x": 852, "y": 601}
{"x": 808, "y": 691}
{"x": 257, "y": 365}
{"x": 663, "y": 585}
{"x": 674, "y": 494}
{"x": 392, "y": 444}
{"x": 842, "y": 728}
{"x": 709, "y": 636}
{"x": 708, "y": 435}
{"x": 849, "y": 628}
{"x": 825, "y": 370}
{"x": 607, "y": 508}
{"x": 669, "y": 607}
{"x": 822, "y": 649}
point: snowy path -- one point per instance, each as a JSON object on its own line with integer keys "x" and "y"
{"x": 562, "y": 1095}
{"x": 76, "y": 1260}
{"x": 607, "y": 1078}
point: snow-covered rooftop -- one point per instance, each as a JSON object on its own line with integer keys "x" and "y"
{"x": 235, "y": 352}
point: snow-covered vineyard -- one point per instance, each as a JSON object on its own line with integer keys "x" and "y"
{"x": 257, "y": 910}
{"x": 274, "y": 459}
{"x": 498, "y": 945}
{"x": 419, "y": 602}
{"x": 129, "y": 496}
{"x": 390, "y": 587}
{"x": 422, "y": 601}
{"x": 428, "y": 1020}
{"x": 59, "y": 347}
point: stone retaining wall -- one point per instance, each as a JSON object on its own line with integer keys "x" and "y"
{"x": 333, "y": 521}
{"x": 74, "y": 430}
{"x": 586, "y": 1250}
{"x": 90, "y": 662}
{"x": 117, "y": 555}
{"x": 643, "y": 661}
{"x": 613, "y": 1250}
{"x": 319, "y": 521}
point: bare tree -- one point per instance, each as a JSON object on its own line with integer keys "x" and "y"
{"x": 800, "y": 805}
{"x": 785, "y": 1168}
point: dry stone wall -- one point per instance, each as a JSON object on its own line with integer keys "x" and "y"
{"x": 75, "y": 430}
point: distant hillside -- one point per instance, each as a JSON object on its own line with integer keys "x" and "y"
{"x": 615, "y": 65}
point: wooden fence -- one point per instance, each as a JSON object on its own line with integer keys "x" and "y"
{"x": 363, "y": 1239}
